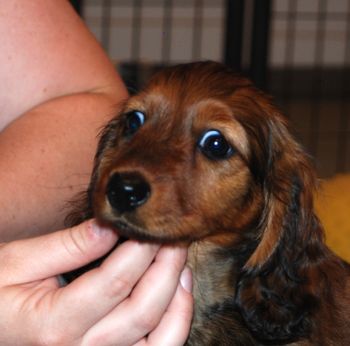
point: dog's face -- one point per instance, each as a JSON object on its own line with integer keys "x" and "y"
{"x": 174, "y": 164}
{"x": 188, "y": 157}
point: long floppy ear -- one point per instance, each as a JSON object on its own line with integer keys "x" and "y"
{"x": 274, "y": 294}
{"x": 81, "y": 207}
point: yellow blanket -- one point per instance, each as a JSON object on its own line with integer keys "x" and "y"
{"x": 333, "y": 209}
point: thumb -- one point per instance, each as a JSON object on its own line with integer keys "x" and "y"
{"x": 42, "y": 257}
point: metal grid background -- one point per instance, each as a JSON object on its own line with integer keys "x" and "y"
{"x": 312, "y": 78}
{"x": 299, "y": 50}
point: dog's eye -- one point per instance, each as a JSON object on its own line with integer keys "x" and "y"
{"x": 133, "y": 121}
{"x": 214, "y": 145}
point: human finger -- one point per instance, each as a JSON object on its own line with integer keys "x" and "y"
{"x": 174, "y": 327}
{"x": 54, "y": 253}
{"x": 141, "y": 312}
{"x": 94, "y": 294}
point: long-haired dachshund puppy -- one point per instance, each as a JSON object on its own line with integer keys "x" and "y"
{"x": 201, "y": 156}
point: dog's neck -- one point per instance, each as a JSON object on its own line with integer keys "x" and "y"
{"x": 214, "y": 275}
{"x": 209, "y": 276}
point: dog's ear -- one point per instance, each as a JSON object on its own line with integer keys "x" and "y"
{"x": 81, "y": 207}
{"x": 274, "y": 293}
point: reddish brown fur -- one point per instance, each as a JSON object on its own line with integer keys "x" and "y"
{"x": 262, "y": 272}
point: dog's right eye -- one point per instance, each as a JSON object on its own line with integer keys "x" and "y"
{"x": 133, "y": 121}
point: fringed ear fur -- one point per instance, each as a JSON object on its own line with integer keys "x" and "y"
{"x": 81, "y": 207}
{"x": 274, "y": 294}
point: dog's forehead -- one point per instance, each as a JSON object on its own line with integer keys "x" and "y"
{"x": 152, "y": 103}
{"x": 193, "y": 114}
{"x": 181, "y": 87}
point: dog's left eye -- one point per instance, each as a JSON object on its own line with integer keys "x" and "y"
{"x": 214, "y": 145}
{"x": 133, "y": 121}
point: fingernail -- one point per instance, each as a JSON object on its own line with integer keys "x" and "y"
{"x": 186, "y": 279}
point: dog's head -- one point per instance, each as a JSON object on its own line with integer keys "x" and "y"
{"x": 175, "y": 164}
{"x": 198, "y": 152}
{"x": 201, "y": 153}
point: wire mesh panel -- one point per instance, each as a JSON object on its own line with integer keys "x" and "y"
{"x": 299, "y": 50}
{"x": 310, "y": 70}
{"x": 158, "y": 31}
{"x": 140, "y": 36}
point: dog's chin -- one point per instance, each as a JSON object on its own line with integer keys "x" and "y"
{"x": 127, "y": 229}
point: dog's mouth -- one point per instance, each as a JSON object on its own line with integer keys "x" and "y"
{"x": 129, "y": 230}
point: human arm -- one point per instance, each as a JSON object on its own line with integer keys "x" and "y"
{"x": 58, "y": 88}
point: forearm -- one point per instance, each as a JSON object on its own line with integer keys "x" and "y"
{"x": 46, "y": 158}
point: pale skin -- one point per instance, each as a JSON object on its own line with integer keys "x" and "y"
{"x": 57, "y": 89}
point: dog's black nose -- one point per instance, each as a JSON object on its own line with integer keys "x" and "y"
{"x": 127, "y": 191}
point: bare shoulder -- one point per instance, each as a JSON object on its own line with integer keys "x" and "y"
{"x": 48, "y": 52}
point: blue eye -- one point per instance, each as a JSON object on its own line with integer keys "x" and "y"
{"x": 214, "y": 145}
{"x": 133, "y": 121}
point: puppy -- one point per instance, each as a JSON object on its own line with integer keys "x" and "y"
{"x": 201, "y": 156}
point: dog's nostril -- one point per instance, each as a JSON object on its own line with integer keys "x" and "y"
{"x": 127, "y": 191}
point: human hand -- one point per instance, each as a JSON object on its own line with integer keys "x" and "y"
{"x": 134, "y": 298}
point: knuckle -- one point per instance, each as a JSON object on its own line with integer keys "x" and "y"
{"x": 146, "y": 321}
{"x": 74, "y": 242}
{"x": 119, "y": 286}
